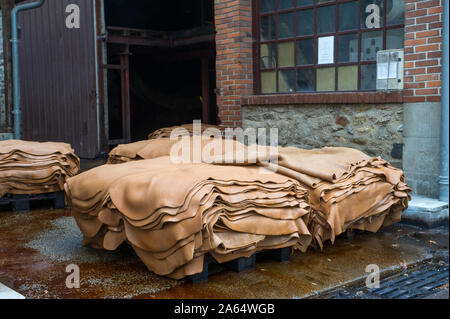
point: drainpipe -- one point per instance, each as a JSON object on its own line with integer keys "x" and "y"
{"x": 443, "y": 176}
{"x": 15, "y": 60}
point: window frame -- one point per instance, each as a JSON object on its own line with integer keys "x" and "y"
{"x": 257, "y": 42}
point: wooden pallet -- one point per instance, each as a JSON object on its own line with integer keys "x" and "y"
{"x": 21, "y": 203}
{"x": 241, "y": 264}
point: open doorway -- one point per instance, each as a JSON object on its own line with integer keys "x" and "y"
{"x": 160, "y": 65}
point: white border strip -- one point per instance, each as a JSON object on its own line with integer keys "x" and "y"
{"x": 7, "y": 293}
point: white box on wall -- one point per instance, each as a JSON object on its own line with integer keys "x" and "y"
{"x": 390, "y": 65}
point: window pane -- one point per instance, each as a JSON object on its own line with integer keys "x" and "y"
{"x": 326, "y": 79}
{"x": 286, "y": 25}
{"x": 268, "y": 82}
{"x": 395, "y": 12}
{"x": 348, "y": 78}
{"x": 301, "y": 3}
{"x": 371, "y": 14}
{"x": 348, "y": 16}
{"x": 267, "y": 6}
{"x": 285, "y": 4}
{"x": 305, "y": 22}
{"x": 286, "y": 81}
{"x": 368, "y": 77}
{"x": 348, "y": 48}
{"x": 305, "y": 52}
{"x": 371, "y": 43}
{"x": 286, "y": 54}
{"x": 326, "y": 19}
{"x": 268, "y": 56}
{"x": 305, "y": 80}
{"x": 395, "y": 38}
{"x": 323, "y": 1}
{"x": 268, "y": 28}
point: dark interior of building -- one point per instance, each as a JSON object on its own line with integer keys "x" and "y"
{"x": 160, "y": 65}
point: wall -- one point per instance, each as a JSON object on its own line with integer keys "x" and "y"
{"x": 307, "y": 114}
{"x": 58, "y": 77}
{"x": 234, "y": 63}
{"x": 2, "y": 80}
{"x": 422, "y": 95}
{"x": 371, "y": 128}
{"x": 423, "y": 52}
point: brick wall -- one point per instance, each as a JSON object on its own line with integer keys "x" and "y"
{"x": 423, "y": 41}
{"x": 423, "y": 45}
{"x": 234, "y": 58}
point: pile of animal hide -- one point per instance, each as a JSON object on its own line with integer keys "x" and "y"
{"x": 173, "y": 214}
{"x": 35, "y": 168}
{"x": 231, "y": 201}
{"x": 182, "y": 130}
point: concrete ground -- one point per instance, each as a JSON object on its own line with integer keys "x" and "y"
{"x": 37, "y": 247}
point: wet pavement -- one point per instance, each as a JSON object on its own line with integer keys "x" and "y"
{"x": 36, "y": 248}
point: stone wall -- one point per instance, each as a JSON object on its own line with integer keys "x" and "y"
{"x": 376, "y": 130}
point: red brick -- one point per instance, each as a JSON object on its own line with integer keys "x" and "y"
{"x": 435, "y": 10}
{"x": 412, "y": 57}
{"x": 427, "y": 77}
{"x": 435, "y": 54}
{"x": 416, "y": 85}
{"x": 415, "y": 28}
{"x": 436, "y": 25}
{"x": 414, "y": 99}
{"x": 426, "y": 34}
{"x": 428, "y": 19}
{"x": 426, "y": 63}
{"x": 435, "y": 40}
{"x": 428, "y": 4}
{"x": 415, "y": 42}
{"x": 433, "y": 99}
{"x": 426, "y": 48}
{"x": 433, "y": 84}
{"x": 415, "y": 71}
{"x": 434, "y": 70}
{"x": 426, "y": 91}
{"x": 416, "y": 13}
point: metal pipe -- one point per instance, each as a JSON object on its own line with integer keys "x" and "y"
{"x": 15, "y": 61}
{"x": 443, "y": 176}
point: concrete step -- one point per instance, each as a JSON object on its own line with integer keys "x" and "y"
{"x": 426, "y": 212}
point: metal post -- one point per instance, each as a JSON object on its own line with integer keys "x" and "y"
{"x": 444, "y": 173}
{"x": 15, "y": 60}
{"x": 126, "y": 120}
{"x": 205, "y": 90}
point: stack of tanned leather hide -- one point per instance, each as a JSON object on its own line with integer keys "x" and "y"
{"x": 172, "y": 208}
{"x": 141, "y": 150}
{"x": 347, "y": 189}
{"x": 35, "y": 168}
{"x": 173, "y": 214}
{"x": 195, "y": 149}
{"x": 185, "y": 129}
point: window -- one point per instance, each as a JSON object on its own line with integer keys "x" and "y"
{"x": 323, "y": 45}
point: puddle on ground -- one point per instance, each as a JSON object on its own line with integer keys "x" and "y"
{"x": 36, "y": 248}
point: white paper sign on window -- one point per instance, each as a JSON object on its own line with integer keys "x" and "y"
{"x": 326, "y": 50}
